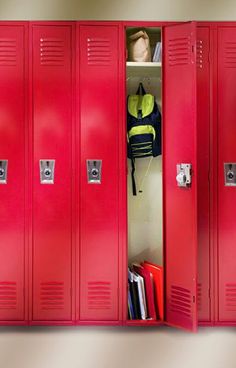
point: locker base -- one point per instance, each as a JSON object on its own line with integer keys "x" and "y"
{"x": 217, "y": 324}
{"x": 205, "y": 324}
{"x": 51, "y": 323}
{"x": 99, "y": 323}
{"x": 13, "y": 323}
{"x": 225, "y": 324}
{"x": 143, "y": 323}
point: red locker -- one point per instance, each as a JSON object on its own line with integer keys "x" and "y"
{"x": 226, "y": 130}
{"x": 63, "y": 212}
{"x": 52, "y": 112}
{"x": 180, "y": 147}
{"x": 99, "y": 115}
{"x": 203, "y": 154}
{"x": 13, "y": 171}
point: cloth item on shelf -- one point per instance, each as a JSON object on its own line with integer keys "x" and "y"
{"x": 139, "y": 47}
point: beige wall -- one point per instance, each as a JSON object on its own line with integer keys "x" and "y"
{"x": 119, "y": 9}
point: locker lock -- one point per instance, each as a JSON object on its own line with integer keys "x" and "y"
{"x": 3, "y": 171}
{"x": 47, "y": 172}
{"x": 183, "y": 177}
{"x": 47, "y": 169}
{"x": 230, "y": 174}
{"x": 94, "y": 171}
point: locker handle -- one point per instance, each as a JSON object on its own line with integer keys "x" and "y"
{"x": 47, "y": 171}
{"x": 3, "y": 171}
{"x": 184, "y": 175}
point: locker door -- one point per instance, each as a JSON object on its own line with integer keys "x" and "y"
{"x": 52, "y": 172}
{"x": 203, "y": 136}
{"x": 180, "y": 203}
{"x": 226, "y": 155}
{"x": 12, "y": 186}
{"x": 99, "y": 121}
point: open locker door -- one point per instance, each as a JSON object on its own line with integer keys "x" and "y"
{"x": 180, "y": 179}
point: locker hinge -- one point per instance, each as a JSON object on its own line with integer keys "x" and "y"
{"x": 194, "y": 299}
{"x": 209, "y": 293}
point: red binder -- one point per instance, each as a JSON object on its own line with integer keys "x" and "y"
{"x": 149, "y": 289}
{"x": 157, "y": 272}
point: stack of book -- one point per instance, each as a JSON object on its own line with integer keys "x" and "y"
{"x": 145, "y": 291}
{"x": 157, "y": 53}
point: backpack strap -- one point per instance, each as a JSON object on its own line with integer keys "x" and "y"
{"x": 132, "y": 177}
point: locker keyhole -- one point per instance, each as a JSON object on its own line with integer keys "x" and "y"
{"x": 2, "y": 172}
{"x": 47, "y": 172}
{"x": 230, "y": 175}
{"x": 95, "y": 172}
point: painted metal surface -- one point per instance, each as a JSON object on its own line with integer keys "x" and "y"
{"x": 52, "y": 204}
{"x": 101, "y": 254}
{"x": 226, "y": 154}
{"x": 180, "y": 204}
{"x": 13, "y": 120}
{"x": 99, "y": 209}
{"x": 203, "y": 187}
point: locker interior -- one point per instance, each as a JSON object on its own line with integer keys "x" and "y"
{"x": 145, "y": 220}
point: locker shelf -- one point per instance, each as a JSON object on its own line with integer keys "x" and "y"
{"x": 143, "y": 69}
{"x": 145, "y": 64}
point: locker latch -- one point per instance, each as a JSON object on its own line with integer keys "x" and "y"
{"x": 47, "y": 168}
{"x": 94, "y": 171}
{"x": 230, "y": 174}
{"x": 183, "y": 177}
{"x": 3, "y": 171}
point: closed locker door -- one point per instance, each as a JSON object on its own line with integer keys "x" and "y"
{"x": 52, "y": 172}
{"x": 12, "y": 171}
{"x": 99, "y": 126}
{"x": 226, "y": 173}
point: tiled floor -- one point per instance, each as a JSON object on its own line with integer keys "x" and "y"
{"x": 101, "y": 347}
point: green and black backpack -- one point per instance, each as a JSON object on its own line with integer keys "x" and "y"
{"x": 143, "y": 128}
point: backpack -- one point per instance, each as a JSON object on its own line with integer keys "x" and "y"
{"x": 143, "y": 128}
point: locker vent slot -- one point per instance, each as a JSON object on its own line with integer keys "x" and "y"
{"x": 7, "y": 52}
{"x": 180, "y": 301}
{"x": 52, "y": 51}
{"x": 230, "y": 54}
{"x": 199, "y": 297}
{"x": 52, "y": 295}
{"x": 8, "y": 295}
{"x": 179, "y": 51}
{"x": 99, "y": 51}
{"x": 230, "y": 297}
{"x": 99, "y": 295}
{"x": 200, "y": 54}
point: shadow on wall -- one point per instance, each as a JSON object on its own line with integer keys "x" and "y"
{"x": 117, "y": 10}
